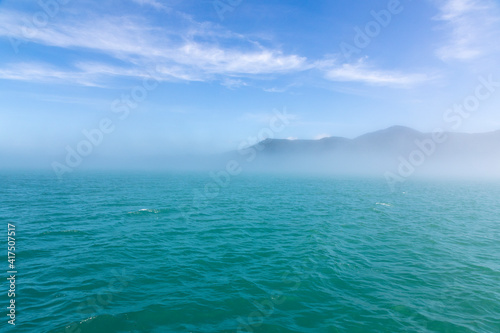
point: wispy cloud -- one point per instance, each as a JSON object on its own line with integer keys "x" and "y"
{"x": 233, "y": 83}
{"x": 473, "y": 27}
{"x": 153, "y": 3}
{"x": 199, "y": 51}
{"x": 281, "y": 89}
{"x": 186, "y": 55}
{"x": 38, "y": 72}
{"x": 363, "y": 73}
{"x": 84, "y": 73}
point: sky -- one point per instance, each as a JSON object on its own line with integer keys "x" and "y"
{"x": 143, "y": 78}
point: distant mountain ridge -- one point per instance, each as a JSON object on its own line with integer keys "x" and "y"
{"x": 395, "y": 137}
{"x": 380, "y": 151}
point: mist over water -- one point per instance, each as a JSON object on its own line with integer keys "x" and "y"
{"x": 395, "y": 154}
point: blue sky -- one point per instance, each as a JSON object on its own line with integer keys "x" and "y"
{"x": 216, "y": 70}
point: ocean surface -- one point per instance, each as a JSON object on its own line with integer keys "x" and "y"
{"x": 184, "y": 252}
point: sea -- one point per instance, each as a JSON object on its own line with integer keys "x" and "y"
{"x": 203, "y": 252}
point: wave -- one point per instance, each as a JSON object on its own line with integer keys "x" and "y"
{"x": 148, "y": 211}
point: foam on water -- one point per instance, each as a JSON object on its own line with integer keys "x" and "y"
{"x": 147, "y": 210}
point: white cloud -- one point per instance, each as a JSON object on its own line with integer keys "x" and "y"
{"x": 473, "y": 29}
{"x": 197, "y": 52}
{"x": 152, "y": 3}
{"x": 233, "y": 83}
{"x": 187, "y": 55}
{"x": 281, "y": 89}
{"x": 363, "y": 73}
{"x": 275, "y": 90}
{"x": 36, "y": 72}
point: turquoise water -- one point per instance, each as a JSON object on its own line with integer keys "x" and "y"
{"x": 130, "y": 252}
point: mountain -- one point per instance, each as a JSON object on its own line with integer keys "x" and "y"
{"x": 387, "y": 150}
